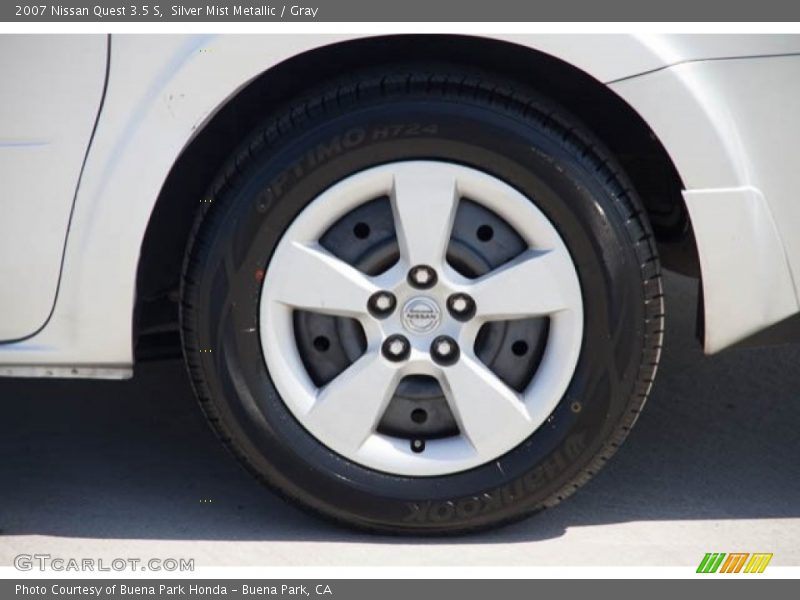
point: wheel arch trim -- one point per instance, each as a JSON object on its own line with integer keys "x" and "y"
{"x": 741, "y": 207}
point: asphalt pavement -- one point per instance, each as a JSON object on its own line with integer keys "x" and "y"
{"x": 109, "y": 469}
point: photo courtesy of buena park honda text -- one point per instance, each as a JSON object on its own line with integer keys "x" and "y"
{"x": 353, "y": 299}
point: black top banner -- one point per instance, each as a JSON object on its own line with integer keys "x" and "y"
{"x": 398, "y": 11}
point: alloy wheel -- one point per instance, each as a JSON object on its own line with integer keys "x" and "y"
{"x": 421, "y": 318}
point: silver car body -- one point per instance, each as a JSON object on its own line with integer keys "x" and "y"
{"x": 90, "y": 127}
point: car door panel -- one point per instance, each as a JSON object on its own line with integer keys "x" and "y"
{"x": 50, "y": 90}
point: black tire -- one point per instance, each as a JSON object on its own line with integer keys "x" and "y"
{"x": 451, "y": 115}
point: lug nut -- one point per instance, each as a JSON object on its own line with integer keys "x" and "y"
{"x": 396, "y": 348}
{"x": 444, "y": 350}
{"x": 417, "y": 446}
{"x": 461, "y": 306}
{"x": 422, "y": 277}
{"x": 381, "y": 304}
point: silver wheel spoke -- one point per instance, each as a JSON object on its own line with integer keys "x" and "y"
{"x": 486, "y": 409}
{"x": 534, "y": 284}
{"x": 316, "y": 280}
{"x": 349, "y": 408}
{"x": 424, "y": 203}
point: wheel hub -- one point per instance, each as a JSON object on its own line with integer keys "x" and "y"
{"x": 421, "y": 315}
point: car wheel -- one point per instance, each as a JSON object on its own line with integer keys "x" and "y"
{"x": 426, "y": 302}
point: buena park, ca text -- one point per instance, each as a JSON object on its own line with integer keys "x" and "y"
{"x": 181, "y": 590}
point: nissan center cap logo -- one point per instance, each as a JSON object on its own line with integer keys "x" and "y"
{"x": 421, "y": 315}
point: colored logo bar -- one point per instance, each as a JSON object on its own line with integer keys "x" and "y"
{"x": 734, "y": 562}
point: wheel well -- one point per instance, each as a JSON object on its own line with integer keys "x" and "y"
{"x": 606, "y": 114}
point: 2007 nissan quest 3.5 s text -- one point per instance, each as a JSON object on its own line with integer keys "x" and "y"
{"x": 416, "y": 279}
